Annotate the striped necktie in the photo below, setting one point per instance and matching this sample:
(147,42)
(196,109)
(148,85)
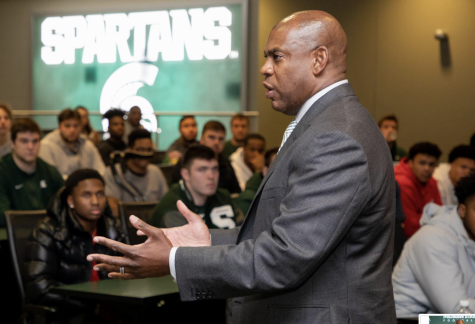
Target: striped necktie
(287,132)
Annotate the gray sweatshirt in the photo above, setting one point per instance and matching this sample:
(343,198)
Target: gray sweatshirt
(54,150)
(437,266)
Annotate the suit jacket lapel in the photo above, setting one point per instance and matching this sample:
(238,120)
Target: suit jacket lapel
(315,110)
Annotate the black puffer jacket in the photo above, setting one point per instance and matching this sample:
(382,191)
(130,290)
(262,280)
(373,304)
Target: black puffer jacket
(57,249)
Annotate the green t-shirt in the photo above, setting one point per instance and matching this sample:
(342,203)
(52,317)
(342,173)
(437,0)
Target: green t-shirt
(219,210)
(22,191)
(229,149)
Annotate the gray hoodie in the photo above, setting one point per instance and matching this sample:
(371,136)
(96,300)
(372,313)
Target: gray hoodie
(54,150)
(437,266)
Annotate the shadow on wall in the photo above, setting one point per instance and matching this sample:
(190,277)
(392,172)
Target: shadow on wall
(445,57)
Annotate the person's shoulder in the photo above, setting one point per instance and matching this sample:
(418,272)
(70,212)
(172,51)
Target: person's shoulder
(441,172)
(168,202)
(45,228)
(51,138)
(222,195)
(108,173)
(6,162)
(46,167)
(153,169)
(432,238)
(88,144)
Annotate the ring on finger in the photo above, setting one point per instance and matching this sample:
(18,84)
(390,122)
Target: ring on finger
(122,270)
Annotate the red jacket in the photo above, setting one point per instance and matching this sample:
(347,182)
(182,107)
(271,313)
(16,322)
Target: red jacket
(414,195)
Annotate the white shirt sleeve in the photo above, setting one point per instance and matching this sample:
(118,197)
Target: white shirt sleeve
(171,262)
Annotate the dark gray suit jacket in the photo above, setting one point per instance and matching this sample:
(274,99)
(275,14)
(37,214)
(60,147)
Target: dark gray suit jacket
(317,243)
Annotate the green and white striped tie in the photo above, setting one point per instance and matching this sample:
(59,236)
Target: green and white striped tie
(287,132)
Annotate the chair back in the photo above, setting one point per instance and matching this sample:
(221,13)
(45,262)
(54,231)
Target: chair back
(143,210)
(20,225)
(167,170)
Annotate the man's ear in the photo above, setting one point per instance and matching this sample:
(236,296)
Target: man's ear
(462,210)
(185,174)
(320,60)
(70,201)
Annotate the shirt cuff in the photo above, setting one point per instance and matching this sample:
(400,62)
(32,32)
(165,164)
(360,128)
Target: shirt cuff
(171,262)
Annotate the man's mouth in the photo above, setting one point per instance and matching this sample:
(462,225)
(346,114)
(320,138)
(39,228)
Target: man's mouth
(270,90)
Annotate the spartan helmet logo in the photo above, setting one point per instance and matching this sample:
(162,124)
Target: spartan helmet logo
(120,91)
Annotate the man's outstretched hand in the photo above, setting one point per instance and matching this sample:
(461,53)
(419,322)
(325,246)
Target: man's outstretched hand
(150,259)
(195,233)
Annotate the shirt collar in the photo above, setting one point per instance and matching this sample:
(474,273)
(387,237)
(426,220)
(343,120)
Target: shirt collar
(306,106)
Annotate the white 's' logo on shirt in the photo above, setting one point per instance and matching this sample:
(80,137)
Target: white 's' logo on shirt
(43,184)
(19,186)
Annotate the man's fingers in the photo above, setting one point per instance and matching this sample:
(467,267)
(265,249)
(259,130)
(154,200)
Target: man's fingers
(188,214)
(140,225)
(106,267)
(125,276)
(114,245)
(114,271)
(102,260)
(140,233)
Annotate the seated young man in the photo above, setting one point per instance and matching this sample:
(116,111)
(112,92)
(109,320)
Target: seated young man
(461,164)
(188,132)
(249,159)
(57,248)
(414,176)
(199,192)
(213,136)
(389,127)
(244,200)
(437,266)
(239,129)
(26,181)
(65,149)
(135,179)
(116,131)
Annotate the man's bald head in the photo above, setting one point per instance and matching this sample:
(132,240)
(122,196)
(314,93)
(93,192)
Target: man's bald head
(460,322)
(305,53)
(316,28)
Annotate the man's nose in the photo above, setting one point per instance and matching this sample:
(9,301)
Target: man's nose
(266,69)
(94,200)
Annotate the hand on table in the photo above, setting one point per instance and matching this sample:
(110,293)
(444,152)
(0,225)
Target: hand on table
(150,259)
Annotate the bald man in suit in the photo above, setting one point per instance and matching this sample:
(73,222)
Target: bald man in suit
(317,243)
